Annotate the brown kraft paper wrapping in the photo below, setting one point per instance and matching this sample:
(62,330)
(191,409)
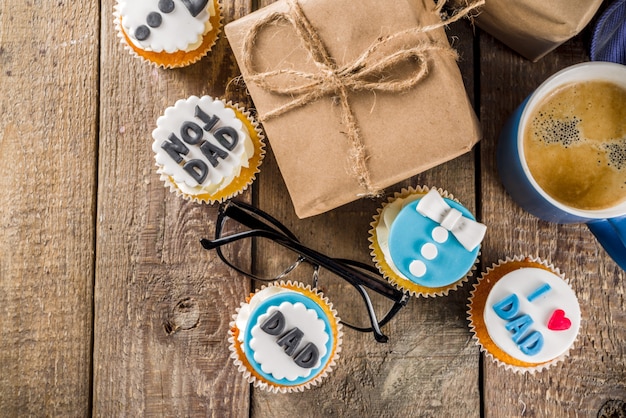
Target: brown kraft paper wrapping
(534,28)
(402,132)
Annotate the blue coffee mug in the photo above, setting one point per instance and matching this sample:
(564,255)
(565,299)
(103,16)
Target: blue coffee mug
(608,225)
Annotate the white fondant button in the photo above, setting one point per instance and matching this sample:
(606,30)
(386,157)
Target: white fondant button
(417,268)
(440,234)
(429,251)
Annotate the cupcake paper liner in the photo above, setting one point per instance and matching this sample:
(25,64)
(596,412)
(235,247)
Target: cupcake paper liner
(241,362)
(476,306)
(401,283)
(176,59)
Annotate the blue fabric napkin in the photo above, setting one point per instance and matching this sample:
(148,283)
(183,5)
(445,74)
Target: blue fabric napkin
(608,42)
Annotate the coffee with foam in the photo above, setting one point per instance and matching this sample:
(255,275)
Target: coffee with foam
(575,144)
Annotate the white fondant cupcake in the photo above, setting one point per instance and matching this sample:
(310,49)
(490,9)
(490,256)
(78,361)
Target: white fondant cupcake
(286,337)
(168,33)
(207,150)
(524,315)
(425,242)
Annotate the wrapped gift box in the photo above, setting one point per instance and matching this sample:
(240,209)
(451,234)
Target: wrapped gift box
(334,84)
(533,28)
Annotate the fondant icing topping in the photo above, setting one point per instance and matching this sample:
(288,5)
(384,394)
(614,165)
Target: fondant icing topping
(558,321)
(296,348)
(532,315)
(419,248)
(465,229)
(166,25)
(201,144)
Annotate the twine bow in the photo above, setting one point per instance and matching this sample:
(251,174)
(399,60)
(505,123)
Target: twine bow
(332,80)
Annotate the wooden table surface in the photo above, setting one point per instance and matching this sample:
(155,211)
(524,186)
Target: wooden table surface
(108,306)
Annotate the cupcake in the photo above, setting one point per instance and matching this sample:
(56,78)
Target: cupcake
(168,33)
(425,242)
(524,315)
(285,338)
(207,150)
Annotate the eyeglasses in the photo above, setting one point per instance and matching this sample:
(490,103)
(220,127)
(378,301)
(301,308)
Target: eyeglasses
(269,236)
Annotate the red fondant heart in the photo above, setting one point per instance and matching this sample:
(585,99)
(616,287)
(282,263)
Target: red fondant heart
(558,321)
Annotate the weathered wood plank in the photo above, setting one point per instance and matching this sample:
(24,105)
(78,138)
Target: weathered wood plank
(162,304)
(429,367)
(48,137)
(596,369)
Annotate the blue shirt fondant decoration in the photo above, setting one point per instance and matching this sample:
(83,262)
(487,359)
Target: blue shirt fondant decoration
(425,252)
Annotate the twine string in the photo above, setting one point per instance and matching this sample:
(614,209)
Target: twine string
(359,75)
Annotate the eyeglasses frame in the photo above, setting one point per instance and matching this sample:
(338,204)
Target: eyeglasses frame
(280,234)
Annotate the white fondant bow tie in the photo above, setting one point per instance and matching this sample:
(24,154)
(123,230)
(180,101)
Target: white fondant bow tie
(467,231)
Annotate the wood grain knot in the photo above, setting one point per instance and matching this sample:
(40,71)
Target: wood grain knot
(185,315)
(614,408)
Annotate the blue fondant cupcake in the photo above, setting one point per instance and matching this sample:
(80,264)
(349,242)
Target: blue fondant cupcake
(425,242)
(286,337)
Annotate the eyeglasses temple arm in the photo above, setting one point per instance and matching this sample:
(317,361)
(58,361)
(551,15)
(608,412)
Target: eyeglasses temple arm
(378,334)
(358,280)
(353,276)
(237,211)
(395,309)
(209,244)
